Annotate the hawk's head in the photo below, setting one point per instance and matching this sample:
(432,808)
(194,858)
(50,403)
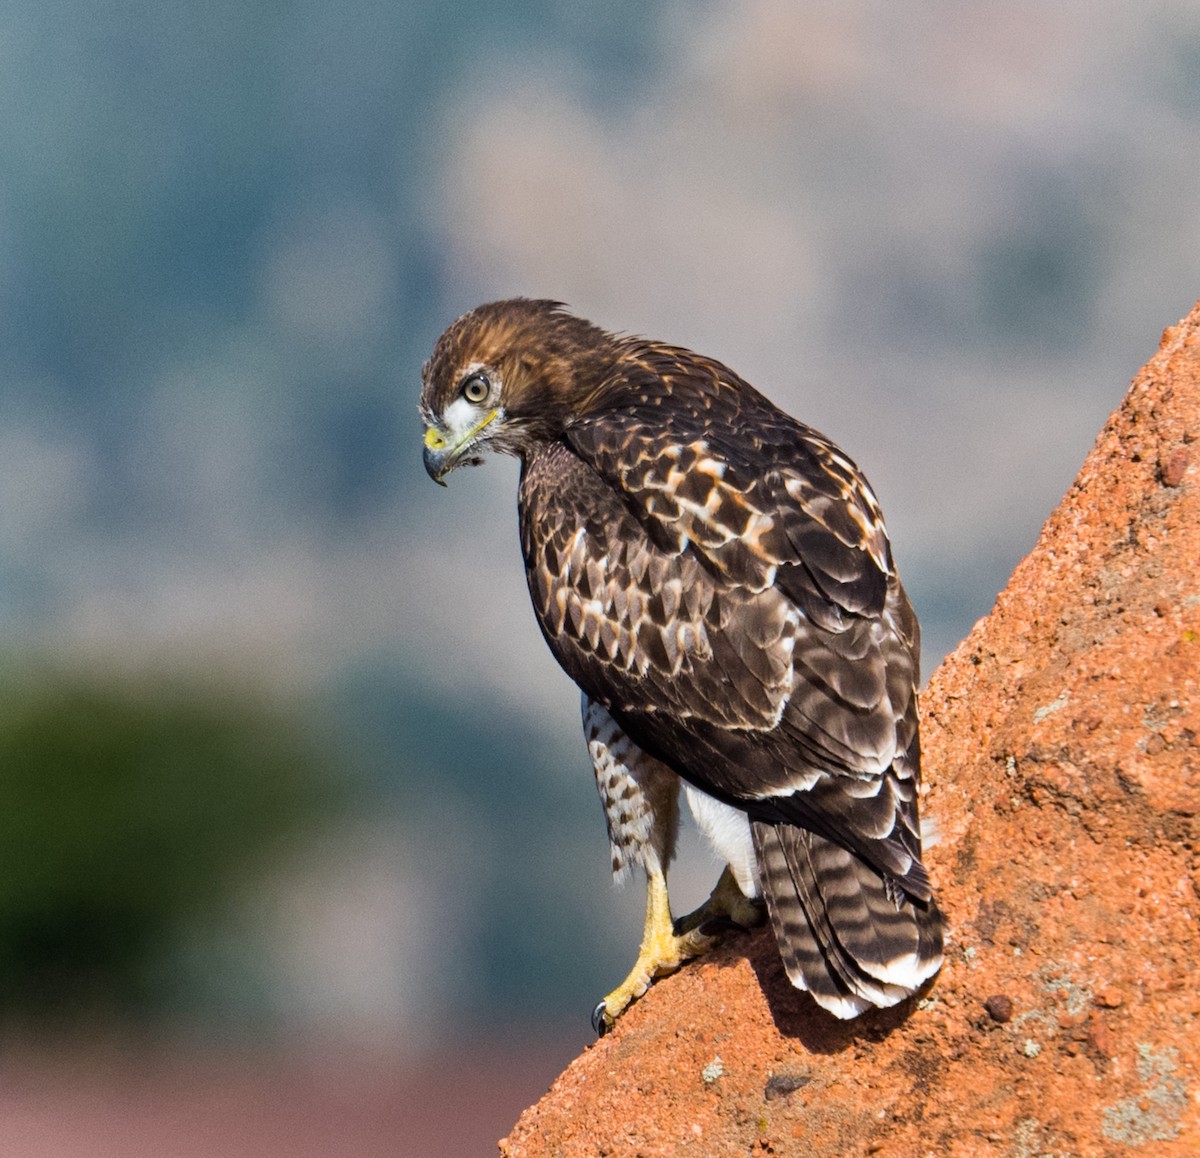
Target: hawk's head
(506,377)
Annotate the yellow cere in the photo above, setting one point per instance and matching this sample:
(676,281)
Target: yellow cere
(434,439)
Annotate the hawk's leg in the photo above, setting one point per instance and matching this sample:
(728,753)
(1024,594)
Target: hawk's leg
(641,805)
(662,951)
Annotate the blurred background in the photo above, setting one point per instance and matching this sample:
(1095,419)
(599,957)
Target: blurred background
(299,849)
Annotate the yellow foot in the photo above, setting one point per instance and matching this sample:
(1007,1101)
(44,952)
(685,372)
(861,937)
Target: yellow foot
(658,956)
(667,944)
(727,906)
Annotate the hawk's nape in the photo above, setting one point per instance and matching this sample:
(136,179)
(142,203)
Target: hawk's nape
(718,580)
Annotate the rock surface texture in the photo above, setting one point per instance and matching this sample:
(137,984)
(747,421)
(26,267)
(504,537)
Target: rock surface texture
(1062,756)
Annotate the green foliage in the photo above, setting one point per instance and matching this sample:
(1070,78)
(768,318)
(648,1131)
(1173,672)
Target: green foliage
(126,810)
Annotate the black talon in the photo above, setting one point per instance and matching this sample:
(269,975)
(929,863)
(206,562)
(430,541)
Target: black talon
(599,1022)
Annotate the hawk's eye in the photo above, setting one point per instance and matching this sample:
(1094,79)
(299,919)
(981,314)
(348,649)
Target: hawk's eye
(476,388)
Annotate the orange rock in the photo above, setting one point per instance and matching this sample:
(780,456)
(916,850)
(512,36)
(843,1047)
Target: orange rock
(1062,754)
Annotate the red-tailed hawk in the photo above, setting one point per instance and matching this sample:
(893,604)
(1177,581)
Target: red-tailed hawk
(717,579)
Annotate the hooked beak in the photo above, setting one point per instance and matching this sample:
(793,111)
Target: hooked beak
(441,455)
(438,455)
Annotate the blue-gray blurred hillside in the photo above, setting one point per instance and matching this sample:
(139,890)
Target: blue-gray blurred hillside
(229,235)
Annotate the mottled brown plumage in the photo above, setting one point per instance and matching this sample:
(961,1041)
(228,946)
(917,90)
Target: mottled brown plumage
(717,579)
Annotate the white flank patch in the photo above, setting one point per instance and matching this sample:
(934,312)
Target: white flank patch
(728,829)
